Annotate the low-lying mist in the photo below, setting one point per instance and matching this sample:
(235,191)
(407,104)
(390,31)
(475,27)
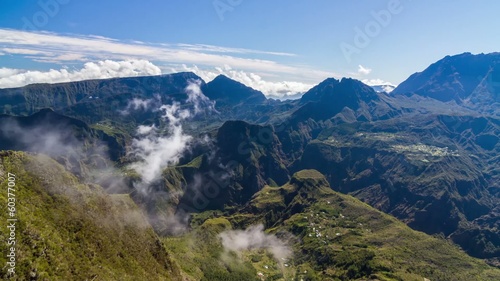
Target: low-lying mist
(254,237)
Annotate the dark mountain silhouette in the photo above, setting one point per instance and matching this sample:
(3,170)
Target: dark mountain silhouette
(228,92)
(349,97)
(471,80)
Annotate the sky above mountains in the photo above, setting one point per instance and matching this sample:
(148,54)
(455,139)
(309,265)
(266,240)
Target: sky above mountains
(279,47)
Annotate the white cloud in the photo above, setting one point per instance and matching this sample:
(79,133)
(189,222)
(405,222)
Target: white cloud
(106,48)
(380,85)
(58,59)
(218,49)
(156,150)
(363,70)
(376,82)
(91,70)
(272,89)
(21,51)
(8,72)
(388,88)
(57,48)
(200,102)
(144,130)
(254,237)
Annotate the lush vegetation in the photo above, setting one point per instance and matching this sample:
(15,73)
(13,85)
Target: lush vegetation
(333,237)
(71,231)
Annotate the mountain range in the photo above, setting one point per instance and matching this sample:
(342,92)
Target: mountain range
(357,183)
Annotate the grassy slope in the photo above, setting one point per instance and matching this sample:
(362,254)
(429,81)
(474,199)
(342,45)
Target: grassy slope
(70,231)
(201,256)
(355,241)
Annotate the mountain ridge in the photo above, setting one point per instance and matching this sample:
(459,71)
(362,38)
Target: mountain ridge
(431,163)
(456,78)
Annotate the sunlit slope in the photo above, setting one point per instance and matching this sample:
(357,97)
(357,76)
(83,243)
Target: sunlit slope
(333,237)
(71,231)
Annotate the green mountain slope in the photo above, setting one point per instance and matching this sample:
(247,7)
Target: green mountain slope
(440,178)
(70,231)
(333,237)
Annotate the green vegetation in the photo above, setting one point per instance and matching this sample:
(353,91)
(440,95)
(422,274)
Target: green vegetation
(195,163)
(71,231)
(201,256)
(333,237)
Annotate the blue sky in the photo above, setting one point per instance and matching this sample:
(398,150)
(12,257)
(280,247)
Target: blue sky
(276,46)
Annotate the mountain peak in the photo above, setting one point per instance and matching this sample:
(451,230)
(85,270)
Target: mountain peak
(315,93)
(311,181)
(312,176)
(453,78)
(351,91)
(333,87)
(222,77)
(332,96)
(227,91)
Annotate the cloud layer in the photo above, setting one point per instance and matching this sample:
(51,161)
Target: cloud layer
(92,70)
(57,48)
(269,76)
(10,78)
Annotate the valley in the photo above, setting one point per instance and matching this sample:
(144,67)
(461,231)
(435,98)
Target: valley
(172,178)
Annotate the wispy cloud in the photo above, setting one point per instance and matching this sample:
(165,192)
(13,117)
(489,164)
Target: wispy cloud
(218,49)
(97,54)
(363,70)
(154,149)
(21,51)
(363,74)
(49,47)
